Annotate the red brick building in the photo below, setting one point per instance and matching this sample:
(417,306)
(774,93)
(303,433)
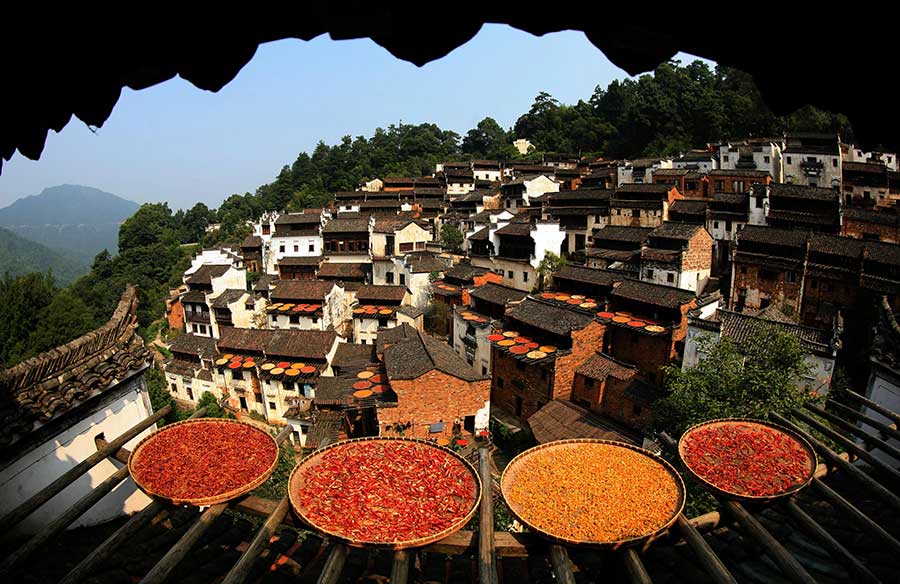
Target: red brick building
(435,387)
(881,224)
(613,389)
(522,387)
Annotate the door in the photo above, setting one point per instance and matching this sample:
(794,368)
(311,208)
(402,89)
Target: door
(244,404)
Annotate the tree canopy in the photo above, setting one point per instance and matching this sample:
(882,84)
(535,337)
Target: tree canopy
(750,379)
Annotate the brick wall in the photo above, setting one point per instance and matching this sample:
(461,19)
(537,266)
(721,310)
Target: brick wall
(823,296)
(176,316)
(699,253)
(585,343)
(433,397)
(511,379)
(779,291)
(648,352)
(588,393)
(621,408)
(856,228)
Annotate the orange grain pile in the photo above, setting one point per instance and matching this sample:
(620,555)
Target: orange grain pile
(591,492)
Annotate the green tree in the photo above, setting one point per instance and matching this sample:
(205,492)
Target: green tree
(488,140)
(24,300)
(549,265)
(451,238)
(750,379)
(213,409)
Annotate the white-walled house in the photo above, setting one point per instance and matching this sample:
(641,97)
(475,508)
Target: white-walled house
(204,283)
(487,170)
(700,160)
(377,307)
(296,235)
(515,249)
(518,193)
(640,171)
(822,345)
(413,271)
(393,237)
(309,305)
(813,160)
(754,154)
(235,308)
(57,404)
(853,153)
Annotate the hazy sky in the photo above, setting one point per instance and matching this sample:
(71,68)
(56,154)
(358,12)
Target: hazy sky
(176,143)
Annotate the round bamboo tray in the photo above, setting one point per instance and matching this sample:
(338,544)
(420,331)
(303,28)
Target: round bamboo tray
(511,472)
(810,453)
(202,501)
(298,482)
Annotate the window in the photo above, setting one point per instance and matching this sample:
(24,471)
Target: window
(757,202)
(588,382)
(789,160)
(389,277)
(312,247)
(728,225)
(791,276)
(190,393)
(258,397)
(315,320)
(272,406)
(834,162)
(715,224)
(174,388)
(509,274)
(720,185)
(649,274)
(725,158)
(237,374)
(281,248)
(670,278)
(738,186)
(265,229)
(296,248)
(403,279)
(524,276)
(484,369)
(766,159)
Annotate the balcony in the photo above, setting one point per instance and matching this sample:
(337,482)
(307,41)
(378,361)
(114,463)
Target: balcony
(198,317)
(812,167)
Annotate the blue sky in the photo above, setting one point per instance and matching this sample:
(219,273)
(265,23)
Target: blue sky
(176,143)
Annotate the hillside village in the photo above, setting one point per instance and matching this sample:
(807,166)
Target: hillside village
(577,282)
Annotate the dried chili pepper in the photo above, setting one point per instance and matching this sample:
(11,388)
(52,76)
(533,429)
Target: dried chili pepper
(386,491)
(746,458)
(203,459)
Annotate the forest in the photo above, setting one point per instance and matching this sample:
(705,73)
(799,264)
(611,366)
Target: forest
(677,108)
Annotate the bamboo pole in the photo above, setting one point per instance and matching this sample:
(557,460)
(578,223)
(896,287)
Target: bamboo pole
(707,557)
(37,500)
(487,559)
(869,439)
(861,519)
(850,445)
(885,430)
(400,567)
(835,459)
(559,557)
(634,567)
(891,415)
(241,570)
(830,544)
(787,563)
(334,565)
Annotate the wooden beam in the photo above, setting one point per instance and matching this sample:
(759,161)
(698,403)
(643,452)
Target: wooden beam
(241,570)
(400,567)
(874,486)
(164,567)
(634,567)
(562,569)
(828,542)
(885,430)
(707,557)
(862,520)
(37,500)
(891,415)
(487,555)
(850,445)
(101,553)
(787,563)
(60,523)
(334,565)
(870,439)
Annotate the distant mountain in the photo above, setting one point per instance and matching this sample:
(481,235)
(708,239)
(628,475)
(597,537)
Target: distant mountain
(21,256)
(77,219)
